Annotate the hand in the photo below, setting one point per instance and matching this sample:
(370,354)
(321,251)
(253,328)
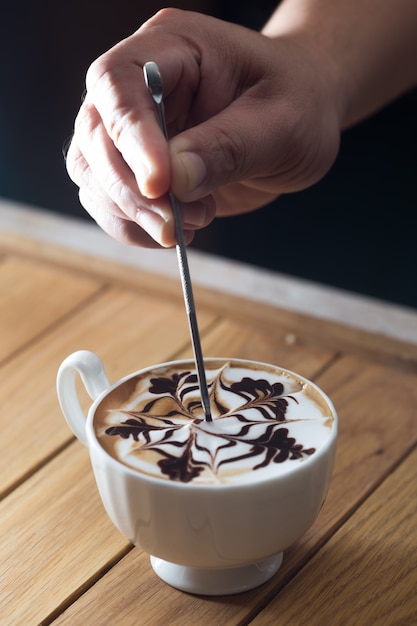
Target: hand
(249,118)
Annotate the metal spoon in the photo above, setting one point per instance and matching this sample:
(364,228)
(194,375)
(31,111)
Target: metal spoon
(153,81)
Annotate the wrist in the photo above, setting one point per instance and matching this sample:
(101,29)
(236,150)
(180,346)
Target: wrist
(365,51)
(292,32)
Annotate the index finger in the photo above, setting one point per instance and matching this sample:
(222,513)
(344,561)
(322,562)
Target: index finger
(116,87)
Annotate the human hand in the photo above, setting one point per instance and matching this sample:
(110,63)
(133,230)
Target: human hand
(249,118)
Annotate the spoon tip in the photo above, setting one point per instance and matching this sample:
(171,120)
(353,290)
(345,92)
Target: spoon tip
(153,79)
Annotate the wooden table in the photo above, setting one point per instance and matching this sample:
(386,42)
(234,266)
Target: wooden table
(62,561)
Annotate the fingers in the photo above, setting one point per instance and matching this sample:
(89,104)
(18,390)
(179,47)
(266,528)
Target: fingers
(115,178)
(107,185)
(119,157)
(248,116)
(127,116)
(282,153)
(116,85)
(150,223)
(117,227)
(278,131)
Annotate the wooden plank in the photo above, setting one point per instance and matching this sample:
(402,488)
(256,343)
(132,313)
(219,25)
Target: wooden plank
(275,345)
(127,330)
(35,295)
(373,565)
(64,489)
(325,333)
(35,499)
(377,424)
(47,550)
(375,401)
(377,415)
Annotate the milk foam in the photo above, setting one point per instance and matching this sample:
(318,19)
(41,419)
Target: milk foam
(265,422)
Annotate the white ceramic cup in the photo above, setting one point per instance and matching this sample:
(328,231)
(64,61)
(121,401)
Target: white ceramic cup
(207,539)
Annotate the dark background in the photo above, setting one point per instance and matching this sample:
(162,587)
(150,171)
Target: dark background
(356,229)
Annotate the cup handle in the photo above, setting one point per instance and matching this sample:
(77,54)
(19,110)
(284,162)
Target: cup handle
(91,370)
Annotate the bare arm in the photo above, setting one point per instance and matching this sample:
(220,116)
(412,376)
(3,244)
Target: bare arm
(251,115)
(368,47)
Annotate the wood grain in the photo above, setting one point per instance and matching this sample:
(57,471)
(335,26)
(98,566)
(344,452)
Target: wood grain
(34,296)
(373,565)
(324,333)
(128,331)
(230,338)
(377,423)
(62,561)
(366,404)
(55,538)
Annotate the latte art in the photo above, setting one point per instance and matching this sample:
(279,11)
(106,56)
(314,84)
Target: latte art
(264,422)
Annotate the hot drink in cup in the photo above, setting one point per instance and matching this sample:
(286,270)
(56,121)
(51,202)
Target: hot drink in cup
(213,502)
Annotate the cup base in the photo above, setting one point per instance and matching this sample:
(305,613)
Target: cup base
(216,582)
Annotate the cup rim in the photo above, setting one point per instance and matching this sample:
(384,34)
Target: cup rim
(94,443)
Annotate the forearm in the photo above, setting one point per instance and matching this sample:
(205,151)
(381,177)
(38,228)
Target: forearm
(366,48)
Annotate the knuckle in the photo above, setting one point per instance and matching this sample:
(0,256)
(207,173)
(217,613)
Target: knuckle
(99,69)
(115,188)
(231,152)
(77,168)
(163,16)
(104,77)
(123,230)
(119,124)
(86,120)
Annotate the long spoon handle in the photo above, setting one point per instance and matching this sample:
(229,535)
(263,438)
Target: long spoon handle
(153,81)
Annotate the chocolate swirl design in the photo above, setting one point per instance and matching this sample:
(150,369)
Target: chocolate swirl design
(250,428)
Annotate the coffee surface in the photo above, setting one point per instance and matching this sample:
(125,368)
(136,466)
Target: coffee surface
(265,420)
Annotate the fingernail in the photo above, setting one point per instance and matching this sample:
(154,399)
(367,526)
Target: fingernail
(151,222)
(143,173)
(195,216)
(156,226)
(194,169)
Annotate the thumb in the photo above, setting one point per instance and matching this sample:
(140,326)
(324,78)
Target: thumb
(269,141)
(213,154)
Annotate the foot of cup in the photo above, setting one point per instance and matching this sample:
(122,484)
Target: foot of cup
(216,582)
